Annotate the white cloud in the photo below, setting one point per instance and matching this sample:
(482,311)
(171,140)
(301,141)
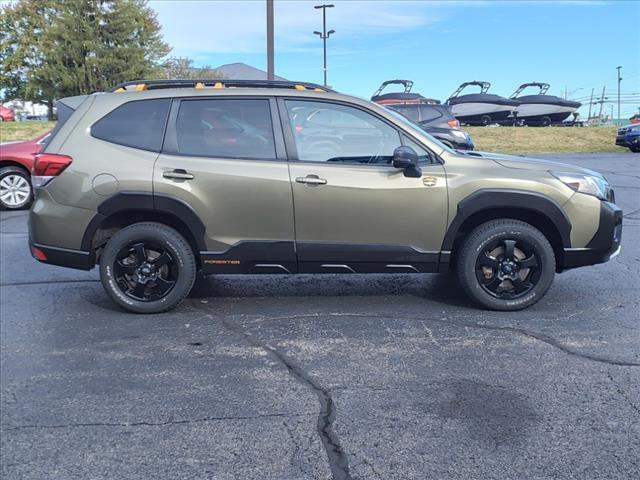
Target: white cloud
(197,27)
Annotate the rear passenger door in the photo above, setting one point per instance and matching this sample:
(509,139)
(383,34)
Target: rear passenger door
(224,157)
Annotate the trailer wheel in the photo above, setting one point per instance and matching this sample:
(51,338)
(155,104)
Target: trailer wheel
(485,120)
(545,121)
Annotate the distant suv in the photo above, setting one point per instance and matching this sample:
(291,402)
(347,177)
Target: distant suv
(438,121)
(629,136)
(158,181)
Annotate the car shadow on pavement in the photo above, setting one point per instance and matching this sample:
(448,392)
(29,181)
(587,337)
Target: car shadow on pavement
(439,288)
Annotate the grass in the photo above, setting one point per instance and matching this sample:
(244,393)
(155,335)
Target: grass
(545,140)
(10,131)
(488,139)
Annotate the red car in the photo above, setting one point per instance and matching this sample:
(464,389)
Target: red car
(6,114)
(16,160)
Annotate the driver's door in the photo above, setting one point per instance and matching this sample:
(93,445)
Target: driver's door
(355,212)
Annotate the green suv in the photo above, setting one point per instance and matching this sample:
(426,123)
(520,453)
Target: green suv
(159,181)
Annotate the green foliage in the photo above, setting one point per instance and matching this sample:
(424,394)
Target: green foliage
(52,49)
(182,68)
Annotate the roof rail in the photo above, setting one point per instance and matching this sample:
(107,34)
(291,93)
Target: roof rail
(216,83)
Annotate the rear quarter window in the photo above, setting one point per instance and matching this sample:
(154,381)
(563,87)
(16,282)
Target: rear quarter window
(138,124)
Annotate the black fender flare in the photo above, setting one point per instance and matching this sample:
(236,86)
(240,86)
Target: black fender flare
(141,201)
(486,199)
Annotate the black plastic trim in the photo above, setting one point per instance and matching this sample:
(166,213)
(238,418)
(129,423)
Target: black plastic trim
(64,257)
(604,243)
(486,199)
(362,252)
(137,201)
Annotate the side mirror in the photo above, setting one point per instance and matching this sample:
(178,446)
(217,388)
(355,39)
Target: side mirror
(406,158)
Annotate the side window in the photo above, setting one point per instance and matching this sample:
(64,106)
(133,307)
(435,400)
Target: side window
(327,132)
(429,114)
(225,128)
(424,155)
(409,111)
(138,124)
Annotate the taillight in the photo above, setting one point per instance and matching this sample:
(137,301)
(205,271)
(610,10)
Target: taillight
(454,123)
(47,166)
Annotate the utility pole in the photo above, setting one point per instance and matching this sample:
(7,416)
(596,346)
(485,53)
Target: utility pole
(590,103)
(324,35)
(601,105)
(270,69)
(619,80)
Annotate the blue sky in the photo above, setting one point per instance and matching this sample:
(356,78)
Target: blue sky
(570,44)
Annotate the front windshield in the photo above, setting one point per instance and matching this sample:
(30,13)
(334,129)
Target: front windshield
(408,122)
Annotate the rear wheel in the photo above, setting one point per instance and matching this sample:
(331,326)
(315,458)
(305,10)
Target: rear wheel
(506,265)
(147,268)
(15,188)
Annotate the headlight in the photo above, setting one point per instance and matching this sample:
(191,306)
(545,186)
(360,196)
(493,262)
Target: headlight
(584,183)
(459,134)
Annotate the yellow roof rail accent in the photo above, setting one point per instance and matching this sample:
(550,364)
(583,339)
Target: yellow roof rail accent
(141,86)
(300,87)
(318,90)
(219,85)
(120,90)
(199,85)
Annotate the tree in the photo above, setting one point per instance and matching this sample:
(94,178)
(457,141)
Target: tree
(182,67)
(51,49)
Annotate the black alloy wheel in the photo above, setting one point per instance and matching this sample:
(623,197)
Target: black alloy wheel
(145,271)
(505,264)
(147,267)
(508,268)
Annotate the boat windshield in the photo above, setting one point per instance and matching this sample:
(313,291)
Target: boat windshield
(406,121)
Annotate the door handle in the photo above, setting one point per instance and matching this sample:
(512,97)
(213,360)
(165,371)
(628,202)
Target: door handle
(178,174)
(312,180)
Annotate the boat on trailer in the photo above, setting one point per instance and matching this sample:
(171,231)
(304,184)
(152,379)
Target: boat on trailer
(542,109)
(481,108)
(405,96)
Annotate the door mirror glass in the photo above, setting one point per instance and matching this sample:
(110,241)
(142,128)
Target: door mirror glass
(406,158)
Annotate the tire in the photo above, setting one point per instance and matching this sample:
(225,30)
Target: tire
(545,121)
(499,280)
(485,120)
(16,191)
(154,253)
(635,148)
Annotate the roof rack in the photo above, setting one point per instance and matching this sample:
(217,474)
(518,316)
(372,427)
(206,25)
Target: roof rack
(137,85)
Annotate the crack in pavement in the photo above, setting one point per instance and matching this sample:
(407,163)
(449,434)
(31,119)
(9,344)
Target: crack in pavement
(157,424)
(623,393)
(451,321)
(338,462)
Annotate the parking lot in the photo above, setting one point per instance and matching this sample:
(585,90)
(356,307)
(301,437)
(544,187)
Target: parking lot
(328,376)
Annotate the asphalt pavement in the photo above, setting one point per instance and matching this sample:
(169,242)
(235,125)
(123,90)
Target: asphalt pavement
(326,376)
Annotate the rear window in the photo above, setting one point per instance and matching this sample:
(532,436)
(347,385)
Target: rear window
(409,111)
(138,124)
(225,128)
(428,113)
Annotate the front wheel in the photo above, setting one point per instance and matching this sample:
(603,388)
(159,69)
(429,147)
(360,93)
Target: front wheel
(506,265)
(147,268)
(635,148)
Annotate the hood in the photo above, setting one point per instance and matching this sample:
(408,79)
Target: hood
(528,163)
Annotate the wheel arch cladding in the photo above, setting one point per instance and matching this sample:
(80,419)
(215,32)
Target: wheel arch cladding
(126,208)
(533,208)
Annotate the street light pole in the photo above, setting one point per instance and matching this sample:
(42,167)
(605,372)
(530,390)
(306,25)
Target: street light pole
(619,80)
(324,35)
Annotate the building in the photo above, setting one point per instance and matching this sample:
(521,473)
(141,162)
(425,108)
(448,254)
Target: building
(242,71)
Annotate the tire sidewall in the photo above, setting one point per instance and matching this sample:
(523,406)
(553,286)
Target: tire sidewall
(477,244)
(168,238)
(6,171)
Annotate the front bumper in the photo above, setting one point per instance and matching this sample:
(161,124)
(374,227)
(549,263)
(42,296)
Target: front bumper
(604,245)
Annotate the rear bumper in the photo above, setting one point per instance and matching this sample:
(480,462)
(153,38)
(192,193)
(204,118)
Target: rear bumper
(62,257)
(604,245)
